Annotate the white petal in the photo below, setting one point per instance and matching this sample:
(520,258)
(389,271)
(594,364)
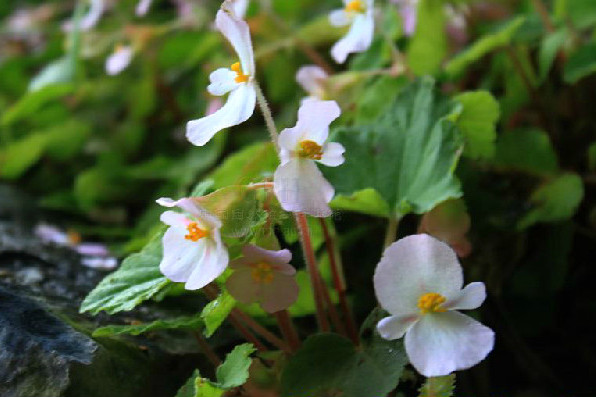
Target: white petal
(333,154)
(314,118)
(441,343)
(240,7)
(143,7)
(211,265)
(222,81)
(172,218)
(300,187)
(238,34)
(339,18)
(413,266)
(280,294)
(358,39)
(180,256)
(119,60)
(238,108)
(93,15)
(288,142)
(242,286)
(311,78)
(394,327)
(191,206)
(471,297)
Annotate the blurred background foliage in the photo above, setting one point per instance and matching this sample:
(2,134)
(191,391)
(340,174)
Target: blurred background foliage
(97,149)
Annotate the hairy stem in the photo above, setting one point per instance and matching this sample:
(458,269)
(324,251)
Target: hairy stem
(206,349)
(339,280)
(269,122)
(286,326)
(391,232)
(260,330)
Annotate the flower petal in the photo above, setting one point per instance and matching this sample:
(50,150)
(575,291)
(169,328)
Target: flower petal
(394,327)
(119,60)
(211,265)
(190,205)
(413,266)
(300,187)
(240,7)
(242,286)
(238,34)
(314,118)
(333,154)
(471,297)
(339,18)
(288,142)
(358,38)
(180,256)
(239,107)
(311,78)
(223,80)
(441,343)
(280,294)
(143,7)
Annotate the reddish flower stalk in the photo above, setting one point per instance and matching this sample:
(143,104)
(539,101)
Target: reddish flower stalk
(286,326)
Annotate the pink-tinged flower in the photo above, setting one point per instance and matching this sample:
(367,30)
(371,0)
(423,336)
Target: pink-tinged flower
(237,80)
(90,19)
(419,282)
(239,7)
(143,7)
(408,10)
(119,60)
(449,222)
(263,276)
(359,14)
(312,79)
(193,252)
(297,182)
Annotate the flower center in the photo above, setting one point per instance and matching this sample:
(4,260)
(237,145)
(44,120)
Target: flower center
(431,303)
(195,233)
(262,273)
(310,150)
(355,6)
(240,76)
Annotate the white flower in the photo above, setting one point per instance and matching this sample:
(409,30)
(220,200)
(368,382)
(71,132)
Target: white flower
(358,14)
(312,78)
(297,182)
(119,60)
(143,7)
(193,252)
(239,7)
(419,282)
(238,81)
(89,20)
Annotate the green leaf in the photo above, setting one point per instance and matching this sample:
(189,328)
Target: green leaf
(429,44)
(366,201)
(529,151)
(581,12)
(458,64)
(408,156)
(67,139)
(137,280)
(580,64)
(550,46)
(32,102)
(216,311)
(17,157)
(59,71)
(377,97)
(187,322)
(555,201)
(251,164)
(329,364)
(196,386)
(477,122)
(234,370)
(438,386)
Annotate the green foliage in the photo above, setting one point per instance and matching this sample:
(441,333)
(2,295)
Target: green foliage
(550,46)
(232,373)
(554,201)
(373,370)
(530,151)
(438,386)
(216,311)
(429,44)
(32,102)
(408,155)
(366,201)
(581,63)
(485,45)
(477,122)
(187,322)
(18,156)
(137,280)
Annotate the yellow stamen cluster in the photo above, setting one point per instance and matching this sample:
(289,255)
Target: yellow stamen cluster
(195,233)
(262,273)
(431,303)
(355,6)
(310,150)
(240,76)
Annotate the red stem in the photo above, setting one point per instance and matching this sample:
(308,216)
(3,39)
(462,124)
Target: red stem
(286,326)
